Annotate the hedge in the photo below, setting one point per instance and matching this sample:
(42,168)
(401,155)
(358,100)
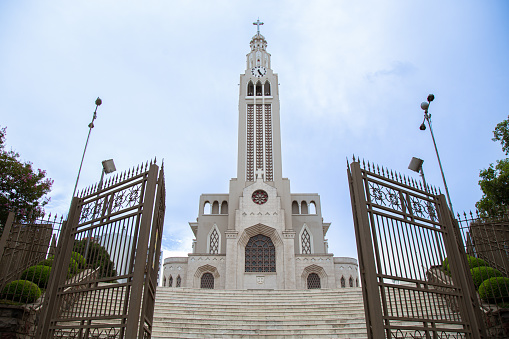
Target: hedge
(38,274)
(495,290)
(23,291)
(481,273)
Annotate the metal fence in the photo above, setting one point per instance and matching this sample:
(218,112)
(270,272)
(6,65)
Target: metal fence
(114,233)
(22,282)
(488,239)
(404,232)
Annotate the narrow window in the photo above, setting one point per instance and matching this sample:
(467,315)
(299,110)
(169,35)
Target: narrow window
(206,207)
(179,281)
(250,89)
(215,207)
(305,238)
(170,281)
(224,208)
(304,207)
(259,89)
(356,282)
(266,88)
(343,282)
(312,207)
(295,207)
(214,242)
(313,281)
(351,282)
(207,281)
(164,281)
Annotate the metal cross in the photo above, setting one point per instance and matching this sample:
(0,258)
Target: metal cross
(258,23)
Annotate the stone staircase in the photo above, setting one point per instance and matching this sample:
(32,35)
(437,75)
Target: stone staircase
(199,313)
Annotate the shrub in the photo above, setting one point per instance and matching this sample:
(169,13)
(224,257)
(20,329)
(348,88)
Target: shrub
(73,265)
(38,274)
(73,268)
(472,262)
(495,290)
(47,262)
(97,257)
(481,273)
(79,259)
(22,291)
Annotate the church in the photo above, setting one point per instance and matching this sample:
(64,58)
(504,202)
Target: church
(260,235)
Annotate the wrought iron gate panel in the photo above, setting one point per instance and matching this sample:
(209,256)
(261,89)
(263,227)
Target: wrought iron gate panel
(117,228)
(403,232)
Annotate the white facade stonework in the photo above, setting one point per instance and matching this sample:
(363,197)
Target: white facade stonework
(260,235)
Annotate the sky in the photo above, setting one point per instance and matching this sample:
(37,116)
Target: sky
(352,76)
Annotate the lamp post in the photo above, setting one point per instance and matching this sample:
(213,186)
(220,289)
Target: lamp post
(416,166)
(98,103)
(427,117)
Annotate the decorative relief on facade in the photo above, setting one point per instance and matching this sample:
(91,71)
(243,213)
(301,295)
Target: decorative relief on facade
(268,144)
(250,144)
(259,137)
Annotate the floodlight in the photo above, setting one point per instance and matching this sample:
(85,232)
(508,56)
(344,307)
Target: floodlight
(109,166)
(415,164)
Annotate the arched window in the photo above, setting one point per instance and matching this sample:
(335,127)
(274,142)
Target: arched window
(164,281)
(224,208)
(250,89)
(313,281)
(343,282)
(304,207)
(170,281)
(312,207)
(259,89)
(206,207)
(266,88)
(214,240)
(351,282)
(179,282)
(305,239)
(260,254)
(215,207)
(207,281)
(295,207)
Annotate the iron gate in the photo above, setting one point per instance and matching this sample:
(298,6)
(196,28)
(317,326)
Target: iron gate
(117,229)
(404,232)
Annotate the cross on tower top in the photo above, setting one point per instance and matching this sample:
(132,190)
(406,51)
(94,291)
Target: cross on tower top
(258,23)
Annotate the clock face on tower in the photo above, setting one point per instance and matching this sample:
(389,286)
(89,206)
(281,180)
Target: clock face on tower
(258,71)
(259,197)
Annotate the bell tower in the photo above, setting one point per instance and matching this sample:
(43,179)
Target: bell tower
(259,148)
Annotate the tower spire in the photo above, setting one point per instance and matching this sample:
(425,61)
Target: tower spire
(258,23)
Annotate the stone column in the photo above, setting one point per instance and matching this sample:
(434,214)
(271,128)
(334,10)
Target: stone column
(231,260)
(289,258)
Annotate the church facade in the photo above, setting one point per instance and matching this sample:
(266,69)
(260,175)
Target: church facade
(260,235)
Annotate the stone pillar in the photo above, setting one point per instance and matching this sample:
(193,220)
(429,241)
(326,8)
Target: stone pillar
(289,258)
(231,260)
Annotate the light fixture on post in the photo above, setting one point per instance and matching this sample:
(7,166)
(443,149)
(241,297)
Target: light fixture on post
(427,117)
(416,166)
(98,103)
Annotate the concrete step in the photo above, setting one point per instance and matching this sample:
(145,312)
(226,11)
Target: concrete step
(196,313)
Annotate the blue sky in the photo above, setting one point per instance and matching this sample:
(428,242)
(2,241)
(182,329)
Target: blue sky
(352,77)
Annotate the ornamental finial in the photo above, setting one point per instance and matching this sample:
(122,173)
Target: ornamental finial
(258,23)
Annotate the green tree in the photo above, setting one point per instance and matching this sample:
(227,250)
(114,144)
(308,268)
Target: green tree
(22,188)
(494,181)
